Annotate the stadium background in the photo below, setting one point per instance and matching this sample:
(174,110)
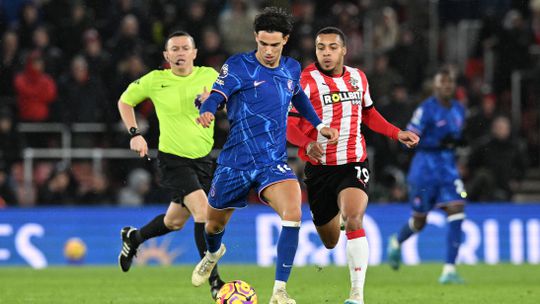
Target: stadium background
(66,171)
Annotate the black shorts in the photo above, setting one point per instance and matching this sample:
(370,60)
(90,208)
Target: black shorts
(324,184)
(180,176)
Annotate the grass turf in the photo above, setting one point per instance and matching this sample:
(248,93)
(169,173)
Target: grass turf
(488,284)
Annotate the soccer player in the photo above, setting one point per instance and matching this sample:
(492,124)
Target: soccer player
(258,88)
(337,176)
(433,176)
(184,146)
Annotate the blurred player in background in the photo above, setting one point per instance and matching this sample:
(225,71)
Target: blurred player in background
(184,162)
(337,176)
(433,177)
(258,88)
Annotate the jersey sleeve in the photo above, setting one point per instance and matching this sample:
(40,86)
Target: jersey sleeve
(418,121)
(228,81)
(137,91)
(366,96)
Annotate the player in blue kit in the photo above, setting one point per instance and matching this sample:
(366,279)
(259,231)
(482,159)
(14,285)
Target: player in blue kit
(257,88)
(433,176)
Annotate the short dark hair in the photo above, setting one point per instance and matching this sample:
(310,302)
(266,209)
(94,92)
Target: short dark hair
(446,71)
(179,34)
(333,30)
(274,19)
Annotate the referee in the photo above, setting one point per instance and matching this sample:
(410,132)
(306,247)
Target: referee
(184,146)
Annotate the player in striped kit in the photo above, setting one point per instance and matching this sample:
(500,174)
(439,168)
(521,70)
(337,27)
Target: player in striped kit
(337,176)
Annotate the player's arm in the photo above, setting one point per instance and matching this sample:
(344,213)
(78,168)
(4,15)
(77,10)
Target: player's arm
(374,120)
(209,107)
(296,137)
(303,105)
(225,85)
(133,95)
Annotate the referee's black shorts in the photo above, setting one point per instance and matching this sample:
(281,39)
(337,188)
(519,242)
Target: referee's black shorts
(180,176)
(324,184)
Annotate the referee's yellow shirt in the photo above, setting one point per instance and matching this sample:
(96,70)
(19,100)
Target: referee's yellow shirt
(174,100)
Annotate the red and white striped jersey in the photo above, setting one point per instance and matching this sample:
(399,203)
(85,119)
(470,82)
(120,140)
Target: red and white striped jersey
(339,102)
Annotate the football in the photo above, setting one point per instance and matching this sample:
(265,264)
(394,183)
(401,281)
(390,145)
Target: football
(74,250)
(236,292)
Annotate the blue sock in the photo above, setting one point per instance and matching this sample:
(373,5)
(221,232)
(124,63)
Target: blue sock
(453,240)
(406,232)
(286,250)
(213,241)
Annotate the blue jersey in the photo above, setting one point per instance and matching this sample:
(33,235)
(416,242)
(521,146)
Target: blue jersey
(434,163)
(258,99)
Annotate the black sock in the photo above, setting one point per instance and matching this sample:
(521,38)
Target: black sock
(155,227)
(201,246)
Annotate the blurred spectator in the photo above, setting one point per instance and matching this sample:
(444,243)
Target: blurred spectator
(99,60)
(9,62)
(7,193)
(211,53)
(27,24)
(195,21)
(386,33)
(127,40)
(512,49)
(382,79)
(496,165)
(73,28)
(98,192)
(51,55)
(10,140)
(535,22)
(138,186)
(35,90)
(409,59)
(82,96)
(480,119)
(236,26)
(60,188)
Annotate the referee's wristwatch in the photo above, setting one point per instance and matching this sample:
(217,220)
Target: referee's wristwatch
(134,132)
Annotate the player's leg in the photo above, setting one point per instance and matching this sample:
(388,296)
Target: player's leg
(197,203)
(284,196)
(422,198)
(162,224)
(216,220)
(228,191)
(322,183)
(454,207)
(353,203)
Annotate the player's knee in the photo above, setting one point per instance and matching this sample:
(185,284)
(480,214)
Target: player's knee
(353,222)
(292,214)
(330,243)
(214,227)
(174,223)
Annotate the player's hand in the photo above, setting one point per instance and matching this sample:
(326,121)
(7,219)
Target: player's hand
(315,151)
(330,133)
(205,119)
(201,98)
(139,145)
(408,138)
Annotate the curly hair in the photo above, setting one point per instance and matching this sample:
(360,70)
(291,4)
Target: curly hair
(274,19)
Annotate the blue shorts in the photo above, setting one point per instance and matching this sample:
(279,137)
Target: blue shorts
(425,197)
(230,186)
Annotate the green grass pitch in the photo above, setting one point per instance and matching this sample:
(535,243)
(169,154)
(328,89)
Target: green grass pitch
(488,284)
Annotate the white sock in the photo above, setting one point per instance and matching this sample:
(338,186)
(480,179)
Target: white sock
(279,285)
(448,268)
(357,258)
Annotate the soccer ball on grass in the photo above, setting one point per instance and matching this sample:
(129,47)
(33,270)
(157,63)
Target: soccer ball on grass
(236,292)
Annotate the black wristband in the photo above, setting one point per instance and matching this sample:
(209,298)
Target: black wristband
(134,132)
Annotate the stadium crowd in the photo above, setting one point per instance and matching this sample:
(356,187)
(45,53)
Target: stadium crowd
(68,61)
